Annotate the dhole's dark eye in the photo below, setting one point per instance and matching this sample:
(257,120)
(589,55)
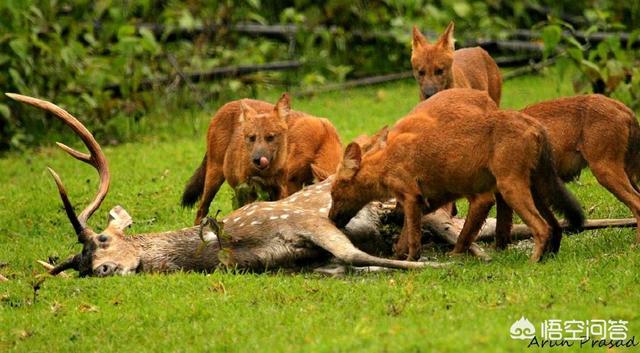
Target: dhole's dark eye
(252,138)
(438,72)
(270,138)
(421,72)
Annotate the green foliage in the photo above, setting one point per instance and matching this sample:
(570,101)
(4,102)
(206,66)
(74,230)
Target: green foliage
(103,59)
(248,192)
(608,67)
(92,57)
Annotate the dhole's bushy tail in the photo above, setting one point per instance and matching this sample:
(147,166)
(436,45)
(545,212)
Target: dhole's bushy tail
(195,186)
(546,181)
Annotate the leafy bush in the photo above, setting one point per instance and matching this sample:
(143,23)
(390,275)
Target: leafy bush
(106,58)
(609,67)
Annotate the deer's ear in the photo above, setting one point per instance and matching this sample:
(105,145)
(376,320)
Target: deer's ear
(351,160)
(446,39)
(283,106)
(418,40)
(119,218)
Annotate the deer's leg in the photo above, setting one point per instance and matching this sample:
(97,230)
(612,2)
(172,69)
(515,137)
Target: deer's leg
(214,178)
(612,176)
(332,240)
(517,194)
(504,223)
(479,207)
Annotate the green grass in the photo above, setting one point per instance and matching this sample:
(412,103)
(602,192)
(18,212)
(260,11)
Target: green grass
(467,308)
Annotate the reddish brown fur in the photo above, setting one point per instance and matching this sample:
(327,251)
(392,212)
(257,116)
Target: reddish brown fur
(313,150)
(599,132)
(438,66)
(494,151)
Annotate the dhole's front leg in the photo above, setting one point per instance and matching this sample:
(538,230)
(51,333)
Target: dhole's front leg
(214,177)
(410,242)
(280,191)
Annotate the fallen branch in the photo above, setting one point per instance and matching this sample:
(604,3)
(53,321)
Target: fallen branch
(375,228)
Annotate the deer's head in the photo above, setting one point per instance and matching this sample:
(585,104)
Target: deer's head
(103,253)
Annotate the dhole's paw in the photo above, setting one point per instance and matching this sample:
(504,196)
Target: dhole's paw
(401,249)
(414,253)
(501,245)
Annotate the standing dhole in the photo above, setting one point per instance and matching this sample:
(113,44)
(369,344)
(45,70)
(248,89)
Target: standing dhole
(503,152)
(595,131)
(439,66)
(257,143)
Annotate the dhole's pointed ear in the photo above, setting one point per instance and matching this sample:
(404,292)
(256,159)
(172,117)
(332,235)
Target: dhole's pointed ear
(446,39)
(351,160)
(283,106)
(380,137)
(245,109)
(119,218)
(418,39)
(319,174)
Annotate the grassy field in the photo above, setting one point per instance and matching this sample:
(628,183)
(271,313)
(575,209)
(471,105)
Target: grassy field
(466,308)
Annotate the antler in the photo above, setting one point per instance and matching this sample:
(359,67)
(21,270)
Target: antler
(96,158)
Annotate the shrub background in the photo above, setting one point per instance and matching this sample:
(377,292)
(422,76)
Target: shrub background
(92,56)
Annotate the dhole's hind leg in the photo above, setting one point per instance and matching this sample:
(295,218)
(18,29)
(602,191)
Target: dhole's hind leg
(479,207)
(612,176)
(518,195)
(214,178)
(556,229)
(504,223)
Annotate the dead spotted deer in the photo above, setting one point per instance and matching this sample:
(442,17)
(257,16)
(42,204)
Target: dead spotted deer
(259,236)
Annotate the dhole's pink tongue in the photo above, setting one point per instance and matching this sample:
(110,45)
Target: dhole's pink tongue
(264,162)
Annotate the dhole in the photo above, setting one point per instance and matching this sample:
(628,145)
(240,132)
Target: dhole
(439,66)
(254,142)
(432,157)
(596,131)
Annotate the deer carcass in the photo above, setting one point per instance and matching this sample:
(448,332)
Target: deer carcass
(259,236)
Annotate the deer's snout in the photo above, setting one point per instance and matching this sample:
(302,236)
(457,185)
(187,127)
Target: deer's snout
(105,269)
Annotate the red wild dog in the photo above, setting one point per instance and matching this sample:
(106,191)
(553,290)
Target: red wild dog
(254,142)
(496,151)
(595,131)
(439,66)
